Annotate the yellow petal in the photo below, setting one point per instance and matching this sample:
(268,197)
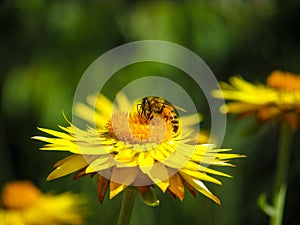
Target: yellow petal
(55,142)
(62,161)
(241,83)
(191,119)
(69,165)
(239,107)
(123,102)
(102,104)
(146,162)
(125,155)
(190,165)
(199,186)
(229,156)
(208,170)
(133,163)
(157,155)
(88,114)
(160,176)
(115,188)
(200,176)
(57,134)
(100,163)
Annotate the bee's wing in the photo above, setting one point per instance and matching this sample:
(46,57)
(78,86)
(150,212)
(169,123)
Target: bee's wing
(176,107)
(179,108)
(169,104)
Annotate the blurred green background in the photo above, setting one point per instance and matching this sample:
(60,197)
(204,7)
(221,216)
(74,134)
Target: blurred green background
(45,47)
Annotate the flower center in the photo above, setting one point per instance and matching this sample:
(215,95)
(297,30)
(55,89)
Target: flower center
(134,129)
(19,194)
(284,81)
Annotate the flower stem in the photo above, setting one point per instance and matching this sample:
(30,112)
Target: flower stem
(127,205)
(283,156)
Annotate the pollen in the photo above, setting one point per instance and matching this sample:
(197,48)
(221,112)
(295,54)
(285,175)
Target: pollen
(135,129)
(19,194)
(284,81)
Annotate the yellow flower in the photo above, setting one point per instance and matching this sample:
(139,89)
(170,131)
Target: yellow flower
(278,100)
(132,149)
(24,204)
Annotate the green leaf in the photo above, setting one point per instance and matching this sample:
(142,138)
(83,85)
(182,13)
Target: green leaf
(268,209)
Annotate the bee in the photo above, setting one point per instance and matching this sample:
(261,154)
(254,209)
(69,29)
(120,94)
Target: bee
(156,106)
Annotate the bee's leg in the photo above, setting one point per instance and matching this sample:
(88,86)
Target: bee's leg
(138,108)
(161,109)
(175,128)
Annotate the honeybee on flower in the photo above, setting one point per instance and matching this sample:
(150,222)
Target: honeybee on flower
(142,148)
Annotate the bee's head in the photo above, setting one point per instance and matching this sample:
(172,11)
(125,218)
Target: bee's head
(145,101)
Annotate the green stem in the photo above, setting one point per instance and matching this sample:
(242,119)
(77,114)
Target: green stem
(283,156)
(127,205)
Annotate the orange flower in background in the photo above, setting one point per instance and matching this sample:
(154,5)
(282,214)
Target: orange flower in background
(140,148)
(278,100)
(22,203)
